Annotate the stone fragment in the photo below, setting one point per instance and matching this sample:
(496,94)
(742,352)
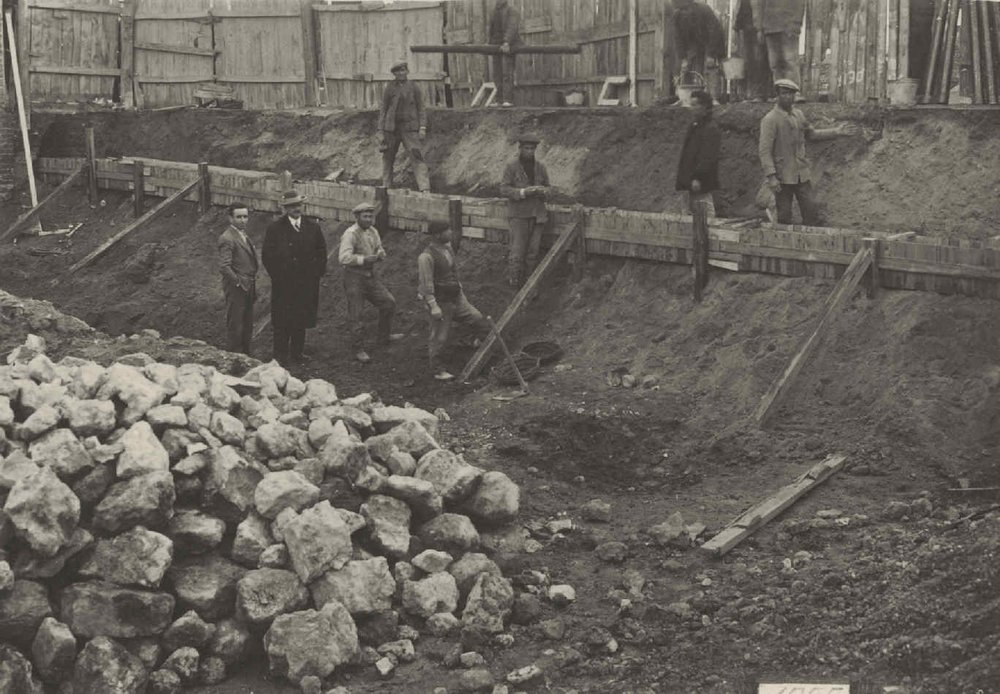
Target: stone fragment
(471,659)
(229,429)
(44,511)
(280,490)
(527,609)
(311,642)
(345,460)
(312,469)
(6,577)
(274,557)
(188,630)
(561,594)
(220,396)
(199,417)
(524,674)
(164,682)
(597,511)
(467,569)
(670,532)
(15,467)
(475,680)
(30,564)
(53,650)
(40,421)
(431,561)
(353,521)
(91,417)
(195,532)
(163,375)
(22,609)
(364,587)
(317,540)
(401,650)
(263,594)
(449,532)
(183,661)
(211,671)
(452,477)
(442,624)
(6,412)
(318,393)
(103,609)
(319,431)
(428,596)
(277,440)
(495,501)
(385,666)
(138,393)
(33,397)
(409,437)
(387,417)
(354,417)
(61,451)
(164,416)
(612,552)
(421,495)
(230,641)
(233,478)
(142,452)
(389,524)
(142,500)
(252,538)
(206,584)
(489,603)
(400,463)
(137,557)
(192,464)
(371,480)
(87,378)
(105,666)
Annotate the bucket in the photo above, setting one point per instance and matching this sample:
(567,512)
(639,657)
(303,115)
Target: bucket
(686,89)
(734,68)
(903,92)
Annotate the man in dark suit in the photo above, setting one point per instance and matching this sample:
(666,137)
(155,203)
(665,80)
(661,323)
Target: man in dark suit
(238,266)
(525,183)
(504,32)
(698,168)
(402,120)
(294,256)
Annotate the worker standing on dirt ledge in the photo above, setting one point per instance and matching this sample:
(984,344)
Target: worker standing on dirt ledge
(441,290)
(698,168)
(238,265)
(783,134)
(402,120)
(505,31)
(294,256)
(525,183)
(360,250)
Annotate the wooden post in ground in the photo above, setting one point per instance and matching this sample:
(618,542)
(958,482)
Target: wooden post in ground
(309,51)
(126,82)
(874,277)
(204,188)
(91,164)
(381,208)
(580,248)
(138,189)
(699,261)
(455,222)
(633,53)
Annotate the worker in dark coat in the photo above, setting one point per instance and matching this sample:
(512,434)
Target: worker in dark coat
(701,42)
(756,69)
(698,168)
(402,120)
(504,31)
(525,184)
(294,255)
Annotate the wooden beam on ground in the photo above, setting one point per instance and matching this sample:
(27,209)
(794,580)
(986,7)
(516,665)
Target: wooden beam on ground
(562,244)
(772,400)
(154,213)
(754,518)
(32,214)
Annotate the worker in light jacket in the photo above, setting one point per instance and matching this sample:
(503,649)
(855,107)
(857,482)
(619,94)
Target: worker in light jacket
(698,168)
(238,267)
(525,184)
(504,31)
(294,255)
(402,120)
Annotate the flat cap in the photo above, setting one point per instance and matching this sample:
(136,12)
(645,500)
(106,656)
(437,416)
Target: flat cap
(528,138)
(400,65)
(786,84)
(437,227)
(363,207)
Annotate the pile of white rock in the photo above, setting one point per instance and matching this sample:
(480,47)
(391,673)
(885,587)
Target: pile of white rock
(161,523)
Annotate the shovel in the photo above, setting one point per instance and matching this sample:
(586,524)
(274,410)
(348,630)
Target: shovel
(513,365)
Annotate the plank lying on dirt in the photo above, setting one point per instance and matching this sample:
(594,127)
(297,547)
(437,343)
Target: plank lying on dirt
(754,518)
(776,394)
(157,211)
(22,221)
(565,241)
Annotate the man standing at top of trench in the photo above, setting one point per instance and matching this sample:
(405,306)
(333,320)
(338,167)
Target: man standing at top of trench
(238,266)
(783,134)
(294,255)
(504,32)
(402,120)
(525,182)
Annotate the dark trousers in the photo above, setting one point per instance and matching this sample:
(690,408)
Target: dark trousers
(239,319)
(458,311)
(503,77)
(288,343)
(802,192)
(362,287)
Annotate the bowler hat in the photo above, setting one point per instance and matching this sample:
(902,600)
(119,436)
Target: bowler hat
(435,228)
(291,197)
(786,84)
(363,207)
(401,65)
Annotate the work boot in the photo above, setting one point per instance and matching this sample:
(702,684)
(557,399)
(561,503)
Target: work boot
(362,356)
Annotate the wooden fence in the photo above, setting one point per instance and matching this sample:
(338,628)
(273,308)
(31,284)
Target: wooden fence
(964,267)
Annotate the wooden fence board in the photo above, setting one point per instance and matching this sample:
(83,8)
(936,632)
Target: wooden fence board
(170,77)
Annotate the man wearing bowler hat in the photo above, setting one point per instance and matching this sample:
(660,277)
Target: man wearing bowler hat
(294,255)
(441,290)
(525,183)
(402,120)
(360,251)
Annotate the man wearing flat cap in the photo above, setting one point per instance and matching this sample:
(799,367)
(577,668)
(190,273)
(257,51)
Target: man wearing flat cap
(360,251)
(294,255)
(402,120)
(441,290)
(525,184)
(782,150)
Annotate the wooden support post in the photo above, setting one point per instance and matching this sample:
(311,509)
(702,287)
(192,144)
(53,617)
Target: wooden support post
(157,211)
(633,53)
(286,180)
(381,208)
(204,188)
(478,360)
(455,222)
(126,82)
(903,41)
(138,188)
(91,164)
(951,36)
(32,214)
(776,394)
(758,515)
(23,111)
(580,248)
(990,95)
(874,275)
(309,51)
(20,47)
(937,43)
(699,260)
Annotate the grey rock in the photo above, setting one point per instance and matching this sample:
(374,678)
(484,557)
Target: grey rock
(596,510)
(453,478)
(22,610)
(164,682)
(230,641)
(164,416)
(442,624)
(143,500)
(91,417)
(189,630)
(263,594)
(274,557)
(527,609)
(105,666)
(233,478)
(195,532)
(44,511)
(183,661)
(103,609)
(345,460)
(142,452)
(311,642)
(475,680)
(211,671)
(421,495)
(670,532)
(138,393)
(450,532)
(163,375)
(16,675)
(14,467)
(387,417)
(489,603)
(400,463)
(317,539)
(400,650)
(252,538)
(87,378)
(40,421)
(409,437)
(227,428)
(53,650)
(92,487)
(280,490)
(61,451)
(30,564)
(278,440)
(138,557)
(206,584)
(364,587)
(495,501)
(355,417)
(312,469)
(467,569)
(432,561)
(389,524)
(427,596)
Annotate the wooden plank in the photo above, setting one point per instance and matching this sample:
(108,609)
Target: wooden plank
(32,214)
(478,360)
(126,84)
(779,390)
(758,515)
(903,41)
(75,70)
(170,48)
(309,50)
(137,224)
(73,5)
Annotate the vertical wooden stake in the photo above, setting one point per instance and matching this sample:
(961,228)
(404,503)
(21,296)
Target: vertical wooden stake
(580,250)
(204,188)
(455,222)
(874,276)
(381,208)
(700,248)
(126,82)
(138,189)
(22,104)
(309,51)
(91,164)
(633,52)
